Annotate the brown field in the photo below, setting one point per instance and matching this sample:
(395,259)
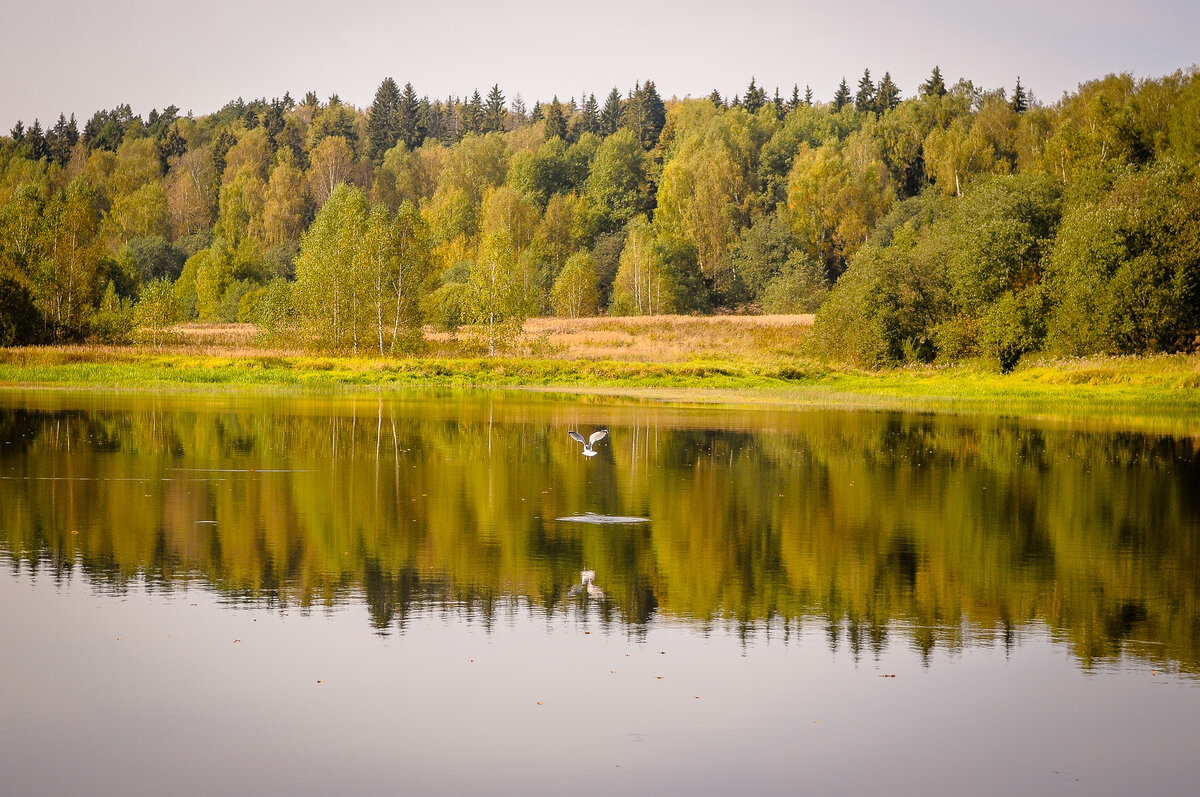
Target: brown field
(762,339)
(666,338)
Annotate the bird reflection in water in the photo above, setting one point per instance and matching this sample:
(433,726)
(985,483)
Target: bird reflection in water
(587,584)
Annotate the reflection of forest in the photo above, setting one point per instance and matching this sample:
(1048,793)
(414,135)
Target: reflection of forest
(935,528)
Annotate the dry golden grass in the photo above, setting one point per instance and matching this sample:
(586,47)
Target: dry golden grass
(764,340)
(666,338)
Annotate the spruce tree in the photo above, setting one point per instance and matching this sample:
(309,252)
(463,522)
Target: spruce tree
(35,140)
(794,102)
(493,111)
(842,98)
(753,99)
(556,123)
(410,127)
(472,114)
(518,112)
(808,96)
(383,120)
(59,142)
(864,100)
(590,122)
(779,109)
(1020,102)
(888,95)
(610,117)
(655,114)
(935,86)
(715,97)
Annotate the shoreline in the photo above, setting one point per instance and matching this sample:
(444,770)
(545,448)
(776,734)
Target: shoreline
(1164,386)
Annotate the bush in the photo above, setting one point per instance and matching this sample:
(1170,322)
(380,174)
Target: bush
(799,287)
(1014,325)
(20,322)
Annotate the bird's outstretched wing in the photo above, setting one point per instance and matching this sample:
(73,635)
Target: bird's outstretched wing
(596,437)
(577,436)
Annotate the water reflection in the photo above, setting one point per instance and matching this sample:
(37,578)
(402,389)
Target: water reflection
(946,531)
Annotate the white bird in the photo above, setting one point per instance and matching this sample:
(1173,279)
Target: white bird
(591,441)
(586,578)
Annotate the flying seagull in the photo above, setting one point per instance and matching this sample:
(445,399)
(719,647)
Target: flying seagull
(591,441)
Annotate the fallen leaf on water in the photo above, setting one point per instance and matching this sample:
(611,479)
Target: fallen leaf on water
(320,680)
(660,677)
(237,640)
(587,632)
(540,703)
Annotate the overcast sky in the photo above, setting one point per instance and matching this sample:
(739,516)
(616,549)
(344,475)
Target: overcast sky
(77,57)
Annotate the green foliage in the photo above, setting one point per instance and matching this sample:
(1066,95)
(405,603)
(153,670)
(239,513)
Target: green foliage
(757,201)
(575,293)
(495,296)
(617,187)
(155,311)
(884,310)
(151,258)
(1013,326)
(20,322)
(114,319)
(1125,268)
(800,286)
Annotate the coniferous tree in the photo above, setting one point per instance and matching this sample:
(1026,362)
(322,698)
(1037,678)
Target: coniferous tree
(472,114)
(35,140)
(1020,102)
(590,121)
(779,108)
(645,114)
(842,98)
(864,100)
(808,96)
(888,95)
(556,122)
(794,102)
(716,99)
(935,86)
(610,116)
(273,121)
(410,122)
(383,120)
(754,99)
(61,138)
(656,114)
(518,112)
(493,111)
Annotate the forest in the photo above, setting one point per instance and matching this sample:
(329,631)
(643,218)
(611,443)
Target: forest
(956,223)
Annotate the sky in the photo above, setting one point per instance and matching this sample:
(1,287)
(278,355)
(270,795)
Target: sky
(86,56)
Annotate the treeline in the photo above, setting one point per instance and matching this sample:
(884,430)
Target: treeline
(958,222)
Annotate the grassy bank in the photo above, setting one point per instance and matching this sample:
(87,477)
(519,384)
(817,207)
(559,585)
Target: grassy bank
(733,360)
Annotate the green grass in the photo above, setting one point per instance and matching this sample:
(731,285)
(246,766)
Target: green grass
(1127,386)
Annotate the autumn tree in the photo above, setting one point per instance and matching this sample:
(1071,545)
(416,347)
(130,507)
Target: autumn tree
(575,293)
(494,291)
(330,292)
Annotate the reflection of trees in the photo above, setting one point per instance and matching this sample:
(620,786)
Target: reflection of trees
(941,530)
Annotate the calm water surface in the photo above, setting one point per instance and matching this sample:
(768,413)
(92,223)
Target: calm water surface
(247,595)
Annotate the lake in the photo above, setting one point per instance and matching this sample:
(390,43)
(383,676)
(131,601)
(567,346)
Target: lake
(434,592)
